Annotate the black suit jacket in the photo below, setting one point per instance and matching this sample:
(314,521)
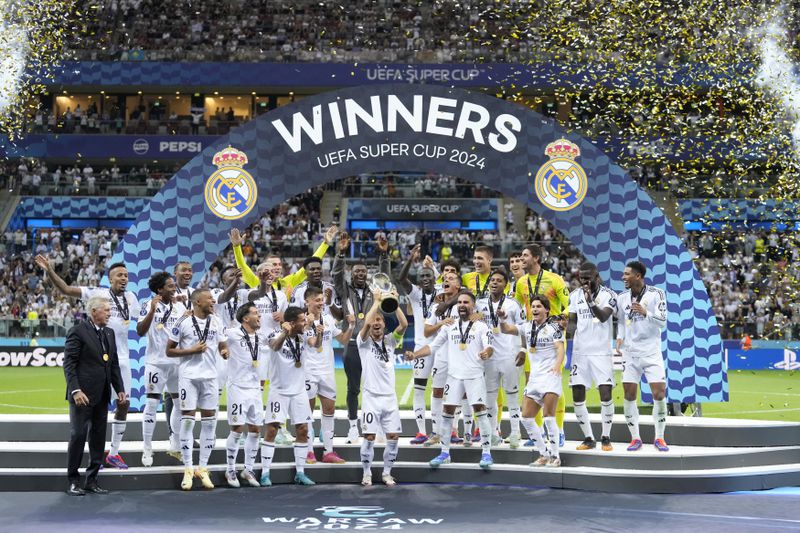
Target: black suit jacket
(84,367)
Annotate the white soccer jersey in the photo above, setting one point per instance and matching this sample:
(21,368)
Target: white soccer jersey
(187,293)
(433,320)
(541,346)
(164,319)
(321,362)
(299,294)
(592,337)
(463,363)
(505,346)
(185,334)
(122,312)
(642,334)
(274,301)
(241,371)
(422,307)
(227,311)
(284,376)
(377,363)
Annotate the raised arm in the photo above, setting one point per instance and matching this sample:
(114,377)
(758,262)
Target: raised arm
(143,325)
(371,314)
(337,272)
(401,319)
(293,280)
(402,279)
(57,281)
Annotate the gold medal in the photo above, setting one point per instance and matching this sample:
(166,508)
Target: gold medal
(628,322)
(533,350)
(297,364)
(495,330)
(319,349)
(105,357)
(160,326)
(127,322)
(463,346)
(255,364)
(361,316)
(595,320)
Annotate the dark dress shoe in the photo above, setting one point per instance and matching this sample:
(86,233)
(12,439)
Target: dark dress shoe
(94,488)
(75,490)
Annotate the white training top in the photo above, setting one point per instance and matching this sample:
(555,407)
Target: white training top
(378,365)
(422,307)
(241,371)
(317,363)
(466,363)
(284,376)
(200,365)
(505,346)
(642,334)
(119,314)
(543,355)
(157,336)
(593,337)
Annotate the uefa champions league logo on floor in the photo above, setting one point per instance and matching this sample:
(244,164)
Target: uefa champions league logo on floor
(230,191)
(353,517)
(561,183)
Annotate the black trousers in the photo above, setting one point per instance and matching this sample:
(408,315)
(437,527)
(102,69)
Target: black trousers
(352,369)
(83,421)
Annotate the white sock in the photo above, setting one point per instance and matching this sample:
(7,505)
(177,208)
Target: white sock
(607,415)
(552,436)
(447,428)
(582,415)
(467,417)
(232,449)
(389,456)
(250,451)
(354,423)
(436,415)
(267,453)
(367,455)
(492,413)
(632,418)
(327,432)
(485,427)
(514,415)
(175,424)
(419,408)
(117,431)
(534,433)
(187,439)
(149,422)
(208,430)
(300,453)
(660,417)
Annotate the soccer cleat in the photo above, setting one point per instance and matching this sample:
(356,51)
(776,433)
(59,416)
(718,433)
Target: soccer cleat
(476,435)
(554,462)
(147,457)
(661,445)
(188,476)
(497,440)
(311,459)
(486,461)
(388,480)
(352,435)
(441,459)
(175,454)
(529,443)
(249,477)
(541,461)
(635,445)
(366,481)
(205,480)
(562,439)
(433,440)
(419,439)
(455,439)
(301,478)
(116,461)
(265,480)
(513,441)
(605,444)
(230,477)
(283,438)
(333,458)
(588,444)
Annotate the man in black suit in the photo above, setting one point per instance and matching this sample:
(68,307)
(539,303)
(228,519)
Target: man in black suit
(91,368)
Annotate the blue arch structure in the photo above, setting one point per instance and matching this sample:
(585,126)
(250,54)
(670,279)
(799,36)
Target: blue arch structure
(616,222)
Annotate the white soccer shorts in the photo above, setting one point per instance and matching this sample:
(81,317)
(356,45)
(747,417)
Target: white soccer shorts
(321,385)
(160,378)
(651,366)
(474,388)
(380,412)
(245,406)
(125,370)
(539,385)
(279,407)
(439,371)
(502,371)
(586,369)
(196,394)
(222,373)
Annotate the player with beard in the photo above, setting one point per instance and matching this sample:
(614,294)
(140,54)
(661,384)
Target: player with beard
(124,308)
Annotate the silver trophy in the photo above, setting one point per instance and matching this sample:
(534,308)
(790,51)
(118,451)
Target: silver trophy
(381,283)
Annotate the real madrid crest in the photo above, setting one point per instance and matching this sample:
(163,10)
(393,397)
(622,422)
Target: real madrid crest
(561,182)
(230,191)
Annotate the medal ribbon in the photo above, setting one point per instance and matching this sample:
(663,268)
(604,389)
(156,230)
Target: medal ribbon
(294,348)
(492,314)
(638,300)
(252,349)
(201,337)
(123,309)
(426,305)
(535,333)
(166,315)
(382,349)
(464,334)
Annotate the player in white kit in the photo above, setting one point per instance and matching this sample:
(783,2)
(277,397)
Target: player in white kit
(591,311)
(469,345)
(156,319)
(124,308)
(245,400)
(287,395)
(642,316)
(198,339)
(379,408)
(422,298)
(320,375)
(502,369)
(544,340)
